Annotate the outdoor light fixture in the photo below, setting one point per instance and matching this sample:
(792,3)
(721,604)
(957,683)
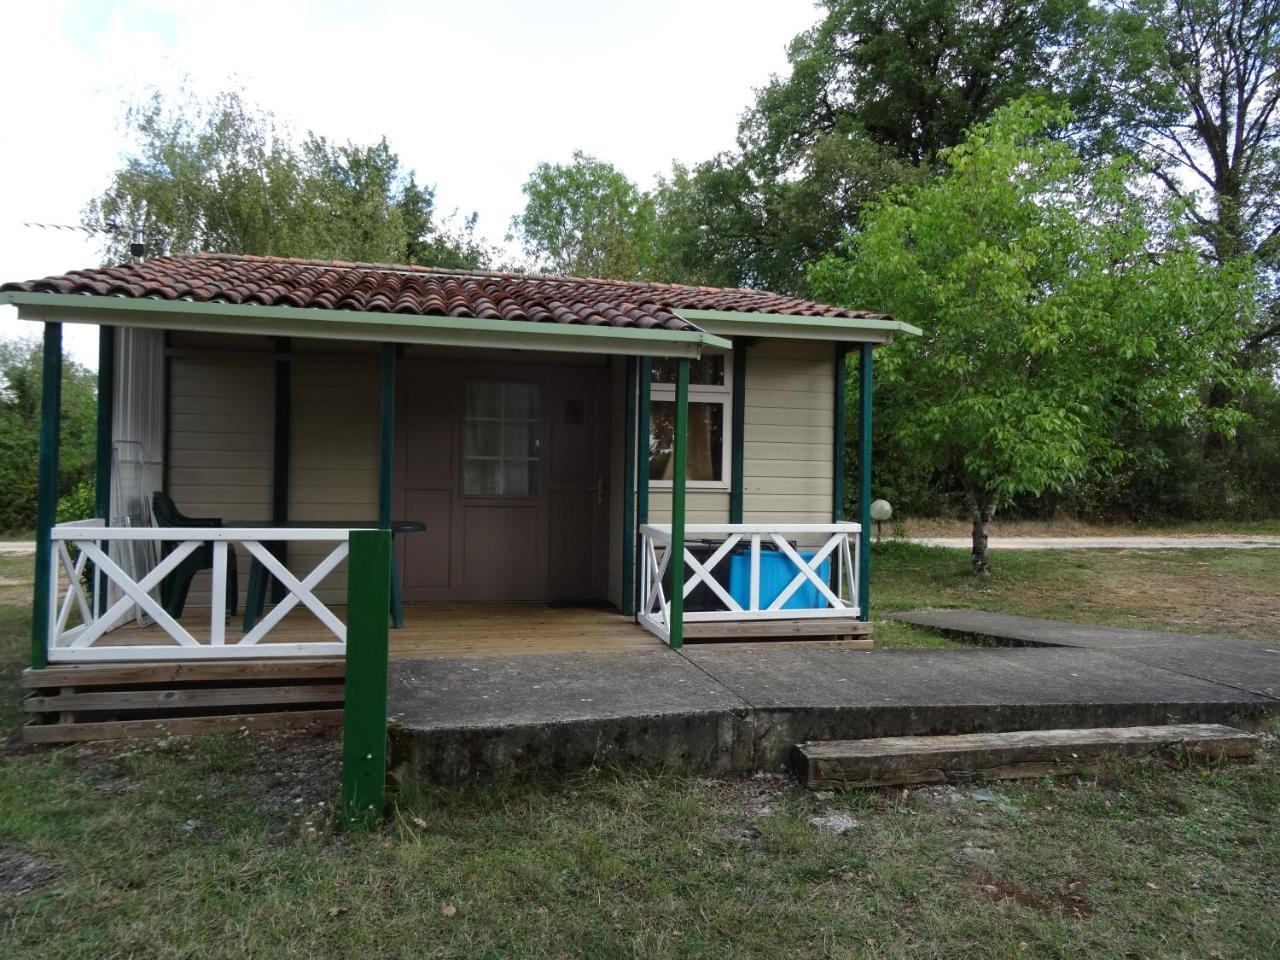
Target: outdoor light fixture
(881,510)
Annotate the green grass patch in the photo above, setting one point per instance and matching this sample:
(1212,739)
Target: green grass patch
(226,846)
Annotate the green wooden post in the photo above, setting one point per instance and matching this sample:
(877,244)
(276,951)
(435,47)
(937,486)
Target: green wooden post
(46,490)
(838,437)
(864,482)
(629,490)
(282,441)
(364,715)
(387,434)
(643,431)
(679,456)
(106,413)
(737,428)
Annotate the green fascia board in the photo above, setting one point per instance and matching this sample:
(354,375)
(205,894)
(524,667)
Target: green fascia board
(848,329)
(356,325)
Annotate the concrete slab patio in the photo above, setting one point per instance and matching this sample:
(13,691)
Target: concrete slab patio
(717,710)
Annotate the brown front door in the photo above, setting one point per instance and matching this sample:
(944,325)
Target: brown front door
(507,465)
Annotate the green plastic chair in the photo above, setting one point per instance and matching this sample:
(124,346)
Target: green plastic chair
(174,587)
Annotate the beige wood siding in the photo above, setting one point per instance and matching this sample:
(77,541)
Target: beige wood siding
(333,461)
(220,436)
(787,449)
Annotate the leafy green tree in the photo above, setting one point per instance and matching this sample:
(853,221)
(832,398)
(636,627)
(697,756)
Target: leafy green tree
(20,389)
(585,218)
(876,89)
(222,175)
(1058,303)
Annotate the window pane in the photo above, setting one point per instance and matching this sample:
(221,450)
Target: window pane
(500,439)
(706,441)
(707,371)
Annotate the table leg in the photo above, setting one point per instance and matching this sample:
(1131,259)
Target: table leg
(397,613)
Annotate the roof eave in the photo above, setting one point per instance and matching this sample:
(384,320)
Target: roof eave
(793,326)
(356,325)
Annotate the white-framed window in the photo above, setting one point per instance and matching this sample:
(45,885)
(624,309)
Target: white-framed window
(502,427)
(710,390)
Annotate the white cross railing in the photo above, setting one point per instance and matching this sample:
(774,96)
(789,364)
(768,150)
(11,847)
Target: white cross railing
(80,554)
(750,595)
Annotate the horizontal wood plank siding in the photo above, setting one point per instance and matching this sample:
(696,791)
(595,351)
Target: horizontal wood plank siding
(220,436)
(333,461)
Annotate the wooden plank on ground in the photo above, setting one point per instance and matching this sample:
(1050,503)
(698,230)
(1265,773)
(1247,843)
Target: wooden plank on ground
(889,761)
(111,674)
(181,726)
(185,698)
(815,627)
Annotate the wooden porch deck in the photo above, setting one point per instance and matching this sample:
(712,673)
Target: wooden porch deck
(448,630)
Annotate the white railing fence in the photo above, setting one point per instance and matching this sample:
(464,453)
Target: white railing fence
(751,572)
(80,556)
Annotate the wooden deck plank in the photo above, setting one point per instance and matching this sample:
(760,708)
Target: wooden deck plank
(185,698)
(894,761)
(112,674)
(181,726)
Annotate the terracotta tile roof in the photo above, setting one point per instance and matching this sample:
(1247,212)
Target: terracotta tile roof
(424,291)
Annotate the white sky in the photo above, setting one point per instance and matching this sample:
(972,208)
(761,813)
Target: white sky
(472,95)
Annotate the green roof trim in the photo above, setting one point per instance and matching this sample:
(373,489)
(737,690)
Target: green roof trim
(356,325)
(729,322)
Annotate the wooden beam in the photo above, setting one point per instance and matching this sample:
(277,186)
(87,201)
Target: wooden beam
(893,761)
(737,428)
(364,737)
(181,726)
(108,674)
(864,481)
(629,443)
(644,429)
(46,490)
(679,467)
(800,627)
(386,434)
(184,698)
(106,419)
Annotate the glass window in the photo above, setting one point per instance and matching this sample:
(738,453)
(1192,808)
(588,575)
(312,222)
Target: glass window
(705,455)
(502,424)
(708,446)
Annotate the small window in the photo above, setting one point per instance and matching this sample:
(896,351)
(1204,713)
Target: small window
(708,444)
(502,427)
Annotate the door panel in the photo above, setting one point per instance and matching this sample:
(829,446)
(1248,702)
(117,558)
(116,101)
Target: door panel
(550,545)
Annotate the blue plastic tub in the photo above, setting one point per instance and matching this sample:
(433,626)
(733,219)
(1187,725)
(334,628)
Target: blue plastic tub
(776,571)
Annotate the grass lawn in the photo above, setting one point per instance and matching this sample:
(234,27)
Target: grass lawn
(225,846)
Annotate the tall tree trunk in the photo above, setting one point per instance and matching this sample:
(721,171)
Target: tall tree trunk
(982,507)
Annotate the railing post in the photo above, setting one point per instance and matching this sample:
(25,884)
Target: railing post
(679,457)
(46,494)
(364,717)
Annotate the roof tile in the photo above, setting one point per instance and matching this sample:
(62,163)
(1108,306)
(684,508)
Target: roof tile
(417,290)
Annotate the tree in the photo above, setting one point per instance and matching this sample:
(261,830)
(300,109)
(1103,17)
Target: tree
(585,218)
(876,89)
(222,175)
(20,388)
(1058,302)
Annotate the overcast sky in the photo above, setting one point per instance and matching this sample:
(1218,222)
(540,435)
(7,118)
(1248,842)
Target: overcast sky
(472,95)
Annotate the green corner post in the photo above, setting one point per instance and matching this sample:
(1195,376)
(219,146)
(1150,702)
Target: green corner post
(46,490)
(838,436)
(864,482)
(281,444)
(629,489)
(679,456)
(364,715)
(386,454)
(102,477)
(643,431)
(737,428)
